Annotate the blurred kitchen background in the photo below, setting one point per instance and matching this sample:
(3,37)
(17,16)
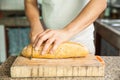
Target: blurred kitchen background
(14,29)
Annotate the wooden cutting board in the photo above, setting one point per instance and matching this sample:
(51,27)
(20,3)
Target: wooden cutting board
(87,66)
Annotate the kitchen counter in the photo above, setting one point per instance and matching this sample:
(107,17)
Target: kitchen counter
(110,24)
(109,30)
(112,71)
(14,21)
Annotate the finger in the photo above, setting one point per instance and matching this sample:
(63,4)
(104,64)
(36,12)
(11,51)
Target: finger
(55,46)
(39,36)
(47,45)
(45,37)
(41,40)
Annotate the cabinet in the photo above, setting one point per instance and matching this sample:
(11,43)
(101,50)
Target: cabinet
(106,29)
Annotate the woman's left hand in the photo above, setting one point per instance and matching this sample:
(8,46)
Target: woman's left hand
(55,37)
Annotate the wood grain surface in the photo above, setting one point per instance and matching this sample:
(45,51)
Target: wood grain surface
(86,66)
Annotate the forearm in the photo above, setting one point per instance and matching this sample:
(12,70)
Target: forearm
(32,14)
(88,15)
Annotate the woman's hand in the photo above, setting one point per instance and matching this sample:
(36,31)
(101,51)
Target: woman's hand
(34,31)
(55,37)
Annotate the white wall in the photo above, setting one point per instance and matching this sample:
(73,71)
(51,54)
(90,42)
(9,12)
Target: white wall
(12,4)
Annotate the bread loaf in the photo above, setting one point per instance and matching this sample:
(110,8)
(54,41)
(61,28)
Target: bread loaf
(64,50)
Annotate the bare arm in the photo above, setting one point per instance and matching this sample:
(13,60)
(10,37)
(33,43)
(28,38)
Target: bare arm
(87,16)
(32,13)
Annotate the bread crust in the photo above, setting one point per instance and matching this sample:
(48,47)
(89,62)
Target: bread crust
(64,50)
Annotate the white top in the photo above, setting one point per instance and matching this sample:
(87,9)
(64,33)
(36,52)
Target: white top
(58,13)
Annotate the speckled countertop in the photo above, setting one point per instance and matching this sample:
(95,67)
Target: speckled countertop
(112,71)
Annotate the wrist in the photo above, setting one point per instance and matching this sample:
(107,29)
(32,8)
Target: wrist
(34,32)
(36,27)
(35,24)
(71,30)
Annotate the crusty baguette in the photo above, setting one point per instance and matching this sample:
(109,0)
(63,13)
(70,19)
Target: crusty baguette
(64,50)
